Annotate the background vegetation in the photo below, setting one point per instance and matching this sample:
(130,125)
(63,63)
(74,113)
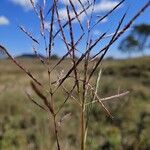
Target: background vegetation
(71,90)
(24,126)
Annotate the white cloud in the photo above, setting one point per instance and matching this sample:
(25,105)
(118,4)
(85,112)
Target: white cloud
(102,6)
(97,32)
(3,21)
(47,26)
(105,5)
(76,2)
(26,4)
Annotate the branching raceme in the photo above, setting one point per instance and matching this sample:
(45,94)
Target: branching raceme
(63,30)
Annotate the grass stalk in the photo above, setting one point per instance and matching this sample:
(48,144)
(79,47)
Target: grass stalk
(82,128)
(85,59)
(56,132)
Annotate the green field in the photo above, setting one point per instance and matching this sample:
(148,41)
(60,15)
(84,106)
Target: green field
(24,126)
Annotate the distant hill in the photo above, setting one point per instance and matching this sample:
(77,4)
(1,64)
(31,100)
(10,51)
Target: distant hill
(54,56)
(29,56)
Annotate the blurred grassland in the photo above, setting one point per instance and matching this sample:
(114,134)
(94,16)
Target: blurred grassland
(23,126)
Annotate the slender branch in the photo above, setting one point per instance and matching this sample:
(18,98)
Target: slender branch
(108,98)
(101,103)
(20,66)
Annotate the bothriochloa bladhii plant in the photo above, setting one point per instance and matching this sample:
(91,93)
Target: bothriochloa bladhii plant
(73,32)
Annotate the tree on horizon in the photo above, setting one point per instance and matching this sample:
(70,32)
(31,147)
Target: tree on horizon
(137,41)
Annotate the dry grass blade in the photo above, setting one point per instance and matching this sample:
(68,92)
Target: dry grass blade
(74,9)
(87,57)
(69,94)
(61,28)
(38,92)
(79,40)
(42,21)
(71,31)
(107,47)
(109,98)
(101,103)
(132,20)
(85,11)
(97,83)
(73,49)
(51,30)
(20,66)
(32,2)
(105,109)
(43,97)
(28,34)
(112,10)
(34,7)
(50,10)
(77,63)
(64,56)
(72,19)
(126,27)
(91,16)
(36,103)
(97,41)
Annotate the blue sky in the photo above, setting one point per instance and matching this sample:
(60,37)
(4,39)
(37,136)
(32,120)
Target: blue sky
(20,12)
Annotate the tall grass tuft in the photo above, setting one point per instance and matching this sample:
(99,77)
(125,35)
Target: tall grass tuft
(54,29)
